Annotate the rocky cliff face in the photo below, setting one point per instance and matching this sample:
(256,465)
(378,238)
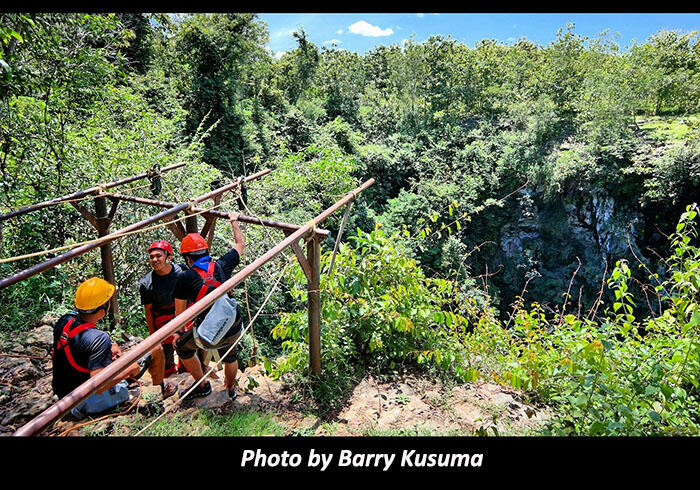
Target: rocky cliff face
(24,364)
(545,239)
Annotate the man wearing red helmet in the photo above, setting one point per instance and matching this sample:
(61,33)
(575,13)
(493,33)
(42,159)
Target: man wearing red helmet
(156,290)
(202,277)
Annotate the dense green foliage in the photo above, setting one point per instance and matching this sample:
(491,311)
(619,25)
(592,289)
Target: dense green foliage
(507,175)
(616,375)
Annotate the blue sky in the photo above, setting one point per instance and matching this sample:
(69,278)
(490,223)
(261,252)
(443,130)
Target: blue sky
(361,32)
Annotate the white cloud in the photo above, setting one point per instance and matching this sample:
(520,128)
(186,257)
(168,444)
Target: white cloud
(332,41)
(340,31)
(365,29)
(281,33)
(420,16)
(279,54)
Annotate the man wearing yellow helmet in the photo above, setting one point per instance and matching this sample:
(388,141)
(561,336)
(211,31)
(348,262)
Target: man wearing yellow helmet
(81,351)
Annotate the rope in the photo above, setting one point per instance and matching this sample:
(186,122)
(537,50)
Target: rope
(167,187)
(247,304)
(312,224)
(245,283)
(119,235)
(217,365)
(264,226)
(340,233)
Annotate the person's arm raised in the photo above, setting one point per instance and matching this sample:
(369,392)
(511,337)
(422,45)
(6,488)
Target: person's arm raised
(237,233)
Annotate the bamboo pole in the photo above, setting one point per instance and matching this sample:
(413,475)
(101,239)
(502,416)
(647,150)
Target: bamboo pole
(31,271)
(313,288)
(176,208)
(83,193)
(104,377)
(103,222)
(287,227)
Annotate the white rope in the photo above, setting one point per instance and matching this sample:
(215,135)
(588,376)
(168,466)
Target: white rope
(340,234)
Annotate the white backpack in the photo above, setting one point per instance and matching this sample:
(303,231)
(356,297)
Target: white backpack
(217,323)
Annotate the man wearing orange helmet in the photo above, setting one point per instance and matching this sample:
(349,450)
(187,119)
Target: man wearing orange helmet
(156,291)
(80,351)
(202,277)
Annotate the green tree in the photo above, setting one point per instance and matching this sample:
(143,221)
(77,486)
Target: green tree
(668,67)
(297,68)
(341,79)
(218,54)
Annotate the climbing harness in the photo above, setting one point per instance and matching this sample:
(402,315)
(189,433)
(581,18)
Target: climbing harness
(210,281)
(220,317)
(63,343)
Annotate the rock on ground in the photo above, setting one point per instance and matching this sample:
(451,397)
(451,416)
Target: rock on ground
(423,407)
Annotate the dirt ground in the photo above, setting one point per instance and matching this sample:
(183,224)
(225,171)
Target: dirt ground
(405,406)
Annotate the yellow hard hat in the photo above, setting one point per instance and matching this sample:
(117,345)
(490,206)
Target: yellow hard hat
(93,293)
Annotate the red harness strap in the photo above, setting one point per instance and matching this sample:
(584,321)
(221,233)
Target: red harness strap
(209,281)
(68,334)
(161,320)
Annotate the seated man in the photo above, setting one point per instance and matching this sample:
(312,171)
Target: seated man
(156,291)
(202,277)
(80,351)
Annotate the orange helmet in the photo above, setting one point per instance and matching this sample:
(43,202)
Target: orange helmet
(192,243)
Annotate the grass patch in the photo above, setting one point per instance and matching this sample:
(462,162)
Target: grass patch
(673,129)
(204,423)
(415,431)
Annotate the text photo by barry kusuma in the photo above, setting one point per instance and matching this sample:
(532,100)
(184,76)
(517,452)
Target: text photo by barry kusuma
(346,458)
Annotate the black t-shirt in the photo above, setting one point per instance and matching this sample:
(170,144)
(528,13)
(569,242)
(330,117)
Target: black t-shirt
(190,282)
(158,290)
(91,349)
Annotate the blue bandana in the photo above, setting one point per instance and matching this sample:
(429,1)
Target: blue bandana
(202,263)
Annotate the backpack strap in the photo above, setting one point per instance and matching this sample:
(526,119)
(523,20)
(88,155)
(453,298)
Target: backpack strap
(67,334)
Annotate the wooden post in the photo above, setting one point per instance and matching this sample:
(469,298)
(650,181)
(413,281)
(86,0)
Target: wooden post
(191,223)
(210,223)
(103,222)
(313,253)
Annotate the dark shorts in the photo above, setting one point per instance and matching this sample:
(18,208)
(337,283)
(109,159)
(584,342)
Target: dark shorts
(186,346)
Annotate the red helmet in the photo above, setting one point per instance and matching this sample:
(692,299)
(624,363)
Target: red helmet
(192,243)
(162,245)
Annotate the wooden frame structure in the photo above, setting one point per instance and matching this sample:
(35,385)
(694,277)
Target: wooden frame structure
(310,264)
